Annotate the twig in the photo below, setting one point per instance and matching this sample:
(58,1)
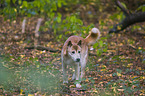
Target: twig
(125,11)
(23,26)
(38,47)
(37,27)
(50,49)
(36,32)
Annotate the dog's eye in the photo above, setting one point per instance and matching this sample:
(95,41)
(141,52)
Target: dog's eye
(73,52)
(79,51)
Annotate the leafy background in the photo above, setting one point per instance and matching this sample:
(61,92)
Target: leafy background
(116,68)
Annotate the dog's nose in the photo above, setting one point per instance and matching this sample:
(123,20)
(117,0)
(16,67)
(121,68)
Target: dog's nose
(78,60)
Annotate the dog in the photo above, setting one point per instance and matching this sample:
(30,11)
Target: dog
(75,53)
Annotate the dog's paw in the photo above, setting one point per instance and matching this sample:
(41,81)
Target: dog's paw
(65,82)
(78,86)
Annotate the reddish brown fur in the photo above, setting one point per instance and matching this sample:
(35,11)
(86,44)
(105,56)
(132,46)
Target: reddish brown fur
(91,38)
(75,43)
(75,47)
(74,40)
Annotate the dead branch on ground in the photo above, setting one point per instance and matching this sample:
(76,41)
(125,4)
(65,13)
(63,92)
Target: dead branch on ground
(130,19)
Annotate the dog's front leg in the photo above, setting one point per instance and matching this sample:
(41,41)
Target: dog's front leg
(74,76)
(84,58)
(83,65)
(64,68)
(82,71)
(77,71)
(77,75)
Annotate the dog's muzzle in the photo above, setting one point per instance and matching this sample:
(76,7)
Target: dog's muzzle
(78,60)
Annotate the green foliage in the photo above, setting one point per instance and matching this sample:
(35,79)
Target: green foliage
(37,7)
(28,78)
(101,45)
(49,10)
(70,23)
(142,8)
(114,71)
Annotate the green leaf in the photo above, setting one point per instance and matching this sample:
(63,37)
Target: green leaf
(51,15)
(124,5)
(25,4)
(99,52)
(95,45)
(142,7)
(59,3)
(105,50)
(101,43)
(58,19)
(14,1)
(60,36)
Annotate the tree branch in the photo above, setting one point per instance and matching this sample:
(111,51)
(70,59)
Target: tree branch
(50,49)
(43,48)
(128,20)
(125,11)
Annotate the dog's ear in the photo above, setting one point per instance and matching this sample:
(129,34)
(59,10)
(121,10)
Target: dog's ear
(69,43)
(65,51)
(80,43)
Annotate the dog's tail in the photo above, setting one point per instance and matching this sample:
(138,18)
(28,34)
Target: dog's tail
(93,36)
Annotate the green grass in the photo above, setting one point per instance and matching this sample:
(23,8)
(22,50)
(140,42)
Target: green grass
(28,79)
(33,77)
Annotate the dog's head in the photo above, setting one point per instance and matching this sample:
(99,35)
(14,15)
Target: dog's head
(74,51)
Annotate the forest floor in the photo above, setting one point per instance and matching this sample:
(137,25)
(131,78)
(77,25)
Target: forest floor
(118,71)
